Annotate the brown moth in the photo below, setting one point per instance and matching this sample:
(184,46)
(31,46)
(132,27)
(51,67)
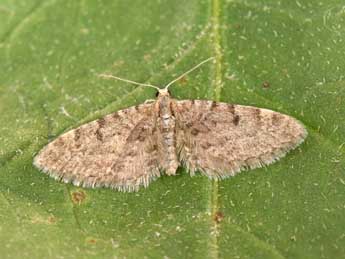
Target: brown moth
(131,147)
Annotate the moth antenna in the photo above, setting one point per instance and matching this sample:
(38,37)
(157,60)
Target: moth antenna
(190,70)
(128,81)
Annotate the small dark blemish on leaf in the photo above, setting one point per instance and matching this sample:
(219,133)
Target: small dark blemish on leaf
(52,219)
(266,84)
(92,241)
(78,197)
(218,217)
(183,80)
(237,26)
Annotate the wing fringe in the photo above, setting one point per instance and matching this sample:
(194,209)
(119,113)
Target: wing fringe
(143,181)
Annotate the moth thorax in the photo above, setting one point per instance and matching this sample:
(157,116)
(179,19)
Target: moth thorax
(167,139)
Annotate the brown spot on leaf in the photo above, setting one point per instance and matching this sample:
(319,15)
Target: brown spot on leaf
(92,241)
(52,219)
(266,84)
(183,80)
(38,219)
(78,197)
(218,216)
(237,26)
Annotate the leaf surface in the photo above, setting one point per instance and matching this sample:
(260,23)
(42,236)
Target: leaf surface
(287,56)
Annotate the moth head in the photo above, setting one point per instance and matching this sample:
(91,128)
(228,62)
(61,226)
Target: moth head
(163,92)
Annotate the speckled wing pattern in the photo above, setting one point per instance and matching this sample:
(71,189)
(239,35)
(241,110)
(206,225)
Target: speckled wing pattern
(220,139)
(118,151)
(129,148)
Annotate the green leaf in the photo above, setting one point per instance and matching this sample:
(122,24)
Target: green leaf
(282,55)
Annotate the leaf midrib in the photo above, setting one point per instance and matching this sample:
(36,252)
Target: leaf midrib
(217,85)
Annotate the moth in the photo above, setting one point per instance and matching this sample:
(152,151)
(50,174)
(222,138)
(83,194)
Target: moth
(131,147)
